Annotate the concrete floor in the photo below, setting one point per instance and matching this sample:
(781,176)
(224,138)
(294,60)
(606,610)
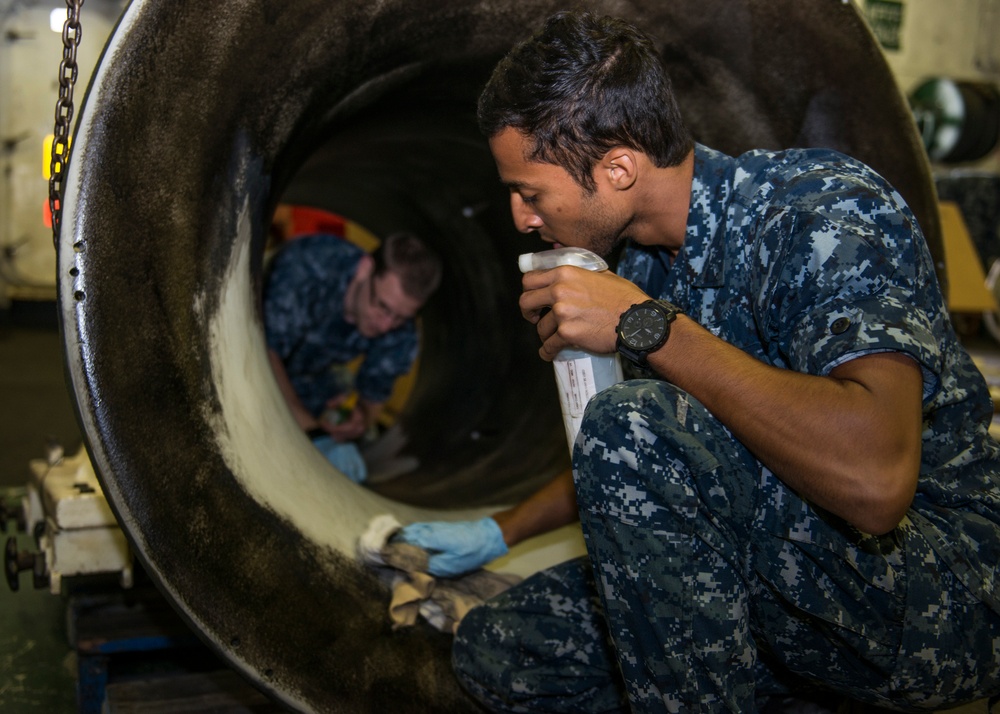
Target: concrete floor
(37,664)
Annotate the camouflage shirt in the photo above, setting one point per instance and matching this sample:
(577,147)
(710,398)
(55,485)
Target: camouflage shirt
(806,259)
(304,323)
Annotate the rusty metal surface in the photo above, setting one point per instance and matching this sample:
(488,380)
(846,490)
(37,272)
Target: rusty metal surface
(202,109)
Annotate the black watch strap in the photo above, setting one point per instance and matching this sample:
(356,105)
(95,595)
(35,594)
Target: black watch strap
(637,358)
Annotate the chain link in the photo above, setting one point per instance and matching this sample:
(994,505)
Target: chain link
(68,71)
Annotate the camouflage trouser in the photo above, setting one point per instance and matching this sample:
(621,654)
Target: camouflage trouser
(717,586)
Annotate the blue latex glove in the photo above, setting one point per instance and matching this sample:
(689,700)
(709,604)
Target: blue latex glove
(457,547)
(344,456)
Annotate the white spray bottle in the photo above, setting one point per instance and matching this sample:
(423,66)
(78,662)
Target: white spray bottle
(579,374)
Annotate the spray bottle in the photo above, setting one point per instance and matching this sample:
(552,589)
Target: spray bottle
(579,374)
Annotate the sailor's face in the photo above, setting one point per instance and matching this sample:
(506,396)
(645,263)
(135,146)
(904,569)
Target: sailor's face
(545,199)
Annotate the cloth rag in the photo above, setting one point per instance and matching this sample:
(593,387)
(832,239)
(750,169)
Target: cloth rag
(442,602)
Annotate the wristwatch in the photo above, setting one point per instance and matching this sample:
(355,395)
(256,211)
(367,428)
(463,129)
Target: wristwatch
(644,328)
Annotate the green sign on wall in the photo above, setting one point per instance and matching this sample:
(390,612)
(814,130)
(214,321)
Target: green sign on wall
(886,19)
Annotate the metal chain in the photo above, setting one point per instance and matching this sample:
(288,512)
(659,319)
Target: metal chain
(68,70)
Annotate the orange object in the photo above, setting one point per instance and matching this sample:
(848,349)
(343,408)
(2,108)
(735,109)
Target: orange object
(305,220)
(47,213)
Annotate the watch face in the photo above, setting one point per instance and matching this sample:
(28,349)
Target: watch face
(643,328)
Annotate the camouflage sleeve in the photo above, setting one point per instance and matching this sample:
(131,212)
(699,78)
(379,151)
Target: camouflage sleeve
(636,263)
(837,287)
(389,357)
(642,265)
(289,294)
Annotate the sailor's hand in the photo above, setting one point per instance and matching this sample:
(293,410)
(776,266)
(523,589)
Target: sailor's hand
(352,427)
(456,547)
(343,417)
(344,455)
(574,307)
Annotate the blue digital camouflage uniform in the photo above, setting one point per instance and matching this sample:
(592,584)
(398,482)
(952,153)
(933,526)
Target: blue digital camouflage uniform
(304,324)
(718,585)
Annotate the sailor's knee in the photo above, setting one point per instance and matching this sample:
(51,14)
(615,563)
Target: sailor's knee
(480,658)
(612,408)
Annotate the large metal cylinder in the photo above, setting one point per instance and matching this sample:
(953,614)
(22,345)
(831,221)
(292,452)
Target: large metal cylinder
(199,119)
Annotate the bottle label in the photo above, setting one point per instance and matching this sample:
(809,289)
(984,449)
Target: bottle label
(575,379)
(576,384)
